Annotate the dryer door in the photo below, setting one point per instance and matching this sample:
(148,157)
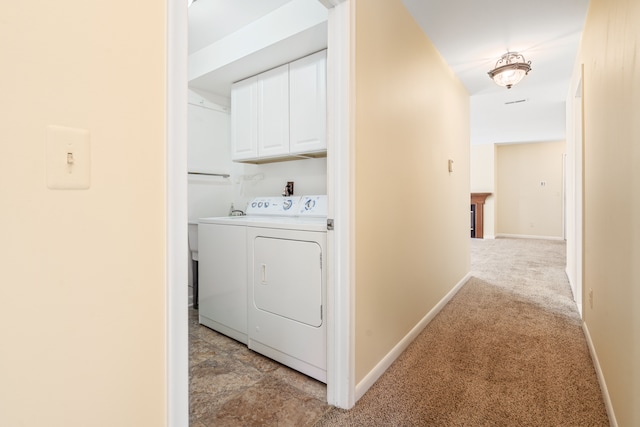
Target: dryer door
(288,279)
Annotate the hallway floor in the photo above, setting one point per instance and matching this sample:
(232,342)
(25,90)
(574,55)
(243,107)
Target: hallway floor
(230,385)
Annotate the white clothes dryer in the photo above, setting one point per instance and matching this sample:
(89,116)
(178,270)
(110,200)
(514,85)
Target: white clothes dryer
(287,294)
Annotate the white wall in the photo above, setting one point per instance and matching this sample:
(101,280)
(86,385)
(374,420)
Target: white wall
(483,181)
(83,273)
(411,117)
(609,53)
(503,123)
(529,182)
(208,152)
(519,205)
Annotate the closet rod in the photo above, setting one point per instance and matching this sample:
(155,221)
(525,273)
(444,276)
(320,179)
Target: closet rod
(224,175)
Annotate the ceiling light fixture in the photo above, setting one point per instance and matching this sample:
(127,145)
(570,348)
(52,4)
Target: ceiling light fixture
(510,69)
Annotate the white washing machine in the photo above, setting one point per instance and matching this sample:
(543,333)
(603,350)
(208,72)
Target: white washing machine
(263,279)
(222,275)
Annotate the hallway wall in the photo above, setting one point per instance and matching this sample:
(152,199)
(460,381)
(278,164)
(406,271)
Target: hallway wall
(529,184)
(610,51)
(412,214)
(83,272)
(483,180)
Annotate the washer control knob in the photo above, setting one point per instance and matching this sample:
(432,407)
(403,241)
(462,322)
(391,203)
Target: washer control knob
(309,204)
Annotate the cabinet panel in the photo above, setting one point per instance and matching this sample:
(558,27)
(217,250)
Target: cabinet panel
(244,119)
(308,103)
(273,112)
(208,140)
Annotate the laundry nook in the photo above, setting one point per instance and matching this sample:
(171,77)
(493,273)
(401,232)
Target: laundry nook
(263,279)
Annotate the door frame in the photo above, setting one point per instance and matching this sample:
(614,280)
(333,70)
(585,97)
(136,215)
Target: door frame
(340,281)
(575,187)
(340,186)
(176,292)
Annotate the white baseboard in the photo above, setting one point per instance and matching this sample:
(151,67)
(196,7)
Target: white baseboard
(383,365)
(489,236)
(527,236)
(579,305)
(603,385)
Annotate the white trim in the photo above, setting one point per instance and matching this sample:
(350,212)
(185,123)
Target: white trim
(386,361)
(527,236)
(177,341)
(340,288)
(564,194)
(579,161)
(575,186)
(603,384)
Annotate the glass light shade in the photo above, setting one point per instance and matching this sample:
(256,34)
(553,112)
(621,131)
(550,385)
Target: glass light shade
(510,70)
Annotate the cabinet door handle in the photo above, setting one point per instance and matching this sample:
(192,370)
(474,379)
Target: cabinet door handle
(263,273)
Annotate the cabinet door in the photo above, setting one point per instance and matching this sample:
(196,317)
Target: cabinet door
(308,103)
(244,119)
(273,112)
(208,140)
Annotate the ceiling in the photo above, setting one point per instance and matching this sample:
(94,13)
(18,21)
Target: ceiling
(236,32)
(471,36)
(211,20)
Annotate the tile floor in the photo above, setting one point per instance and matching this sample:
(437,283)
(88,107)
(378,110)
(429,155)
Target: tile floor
(230,385)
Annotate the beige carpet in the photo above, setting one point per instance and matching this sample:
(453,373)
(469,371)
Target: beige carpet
(508,350)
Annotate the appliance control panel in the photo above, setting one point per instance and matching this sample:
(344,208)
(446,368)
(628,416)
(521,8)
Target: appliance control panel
(313,206)
(302,206)
(281,206)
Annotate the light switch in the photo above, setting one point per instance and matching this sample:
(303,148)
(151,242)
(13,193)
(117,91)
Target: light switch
(68,158)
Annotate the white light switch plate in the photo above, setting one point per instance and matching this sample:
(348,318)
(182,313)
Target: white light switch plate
(68,158)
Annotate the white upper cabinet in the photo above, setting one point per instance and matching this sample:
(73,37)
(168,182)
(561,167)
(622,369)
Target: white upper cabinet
(308,104)
(209,136)
(282,112)
(273,112)
(244,119)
